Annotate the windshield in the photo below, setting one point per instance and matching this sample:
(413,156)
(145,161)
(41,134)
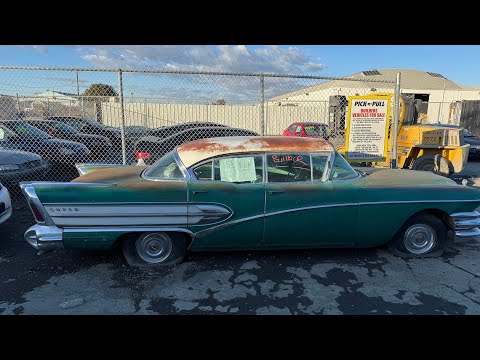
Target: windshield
(316,130)
(165,168)
(28,130)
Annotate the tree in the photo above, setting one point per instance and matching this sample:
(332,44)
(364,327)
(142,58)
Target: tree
(220,102)
(96,94)
(100,90)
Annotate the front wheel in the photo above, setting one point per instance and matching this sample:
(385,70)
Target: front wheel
(154,249)
(424,235)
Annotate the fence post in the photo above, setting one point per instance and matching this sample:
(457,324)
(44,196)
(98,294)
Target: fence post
(122,116)
(396,119)
(262,104)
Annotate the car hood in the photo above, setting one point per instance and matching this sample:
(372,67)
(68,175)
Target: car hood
(15,157)
(398,177)
(113,175)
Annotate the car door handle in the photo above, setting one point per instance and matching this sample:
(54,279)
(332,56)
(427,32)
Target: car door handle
(272,192)
(195,192)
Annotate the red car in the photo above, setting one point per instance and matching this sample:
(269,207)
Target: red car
(307,129)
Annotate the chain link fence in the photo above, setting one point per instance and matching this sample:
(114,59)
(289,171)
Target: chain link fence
(53,118)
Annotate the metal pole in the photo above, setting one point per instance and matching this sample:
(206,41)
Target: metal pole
(396,119)
(18,105)
(122,117)
(78,87)
(441,104)
(262,104)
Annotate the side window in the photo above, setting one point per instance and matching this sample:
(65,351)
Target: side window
(319,163)
(288,167)
(341,169)
(204,171)
(291,129)
(239,169)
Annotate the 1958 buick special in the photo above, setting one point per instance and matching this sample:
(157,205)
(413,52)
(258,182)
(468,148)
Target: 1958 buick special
(248,193)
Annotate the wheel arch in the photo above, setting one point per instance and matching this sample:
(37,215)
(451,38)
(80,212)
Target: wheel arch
(438,213)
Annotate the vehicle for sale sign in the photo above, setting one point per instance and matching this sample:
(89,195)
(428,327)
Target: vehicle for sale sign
(367,128)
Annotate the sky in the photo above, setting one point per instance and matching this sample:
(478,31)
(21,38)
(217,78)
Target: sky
(455,62)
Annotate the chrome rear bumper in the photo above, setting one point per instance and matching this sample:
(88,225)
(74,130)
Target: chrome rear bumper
(44,237)
(466,224)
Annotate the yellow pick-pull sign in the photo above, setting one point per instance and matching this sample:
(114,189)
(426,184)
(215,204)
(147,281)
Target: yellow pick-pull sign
(367,128)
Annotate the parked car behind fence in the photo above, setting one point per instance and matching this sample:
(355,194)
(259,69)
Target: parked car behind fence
(149,149)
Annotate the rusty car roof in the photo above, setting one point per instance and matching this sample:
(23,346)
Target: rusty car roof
(198,150)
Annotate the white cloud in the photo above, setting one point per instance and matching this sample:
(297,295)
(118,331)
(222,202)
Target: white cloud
(237,58)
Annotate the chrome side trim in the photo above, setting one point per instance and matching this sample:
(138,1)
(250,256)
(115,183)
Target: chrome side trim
(44,237)
(31,197)
(58,183)
(203,233)
(414,201)
(112,214)
(213,229)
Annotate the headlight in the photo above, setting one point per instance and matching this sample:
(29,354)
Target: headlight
(66,151)
(9,167)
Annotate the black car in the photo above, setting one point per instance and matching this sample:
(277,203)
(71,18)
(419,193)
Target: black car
(89,126)
(167,131)
(17,165)
(474,141)
(19,135)
(148,150)
(97,144)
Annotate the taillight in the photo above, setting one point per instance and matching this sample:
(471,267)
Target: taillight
(38,215)
(142,155)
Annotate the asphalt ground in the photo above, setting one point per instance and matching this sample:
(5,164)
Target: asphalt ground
(330,281)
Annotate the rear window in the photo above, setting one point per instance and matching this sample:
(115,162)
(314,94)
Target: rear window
(165,168)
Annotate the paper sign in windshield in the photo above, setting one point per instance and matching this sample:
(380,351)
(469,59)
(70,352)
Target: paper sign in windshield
(238,169)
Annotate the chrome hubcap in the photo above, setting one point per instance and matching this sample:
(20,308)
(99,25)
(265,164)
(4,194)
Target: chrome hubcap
(419,239)
(154,248)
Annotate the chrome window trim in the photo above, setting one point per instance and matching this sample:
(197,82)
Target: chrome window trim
(181,166)
(341,180)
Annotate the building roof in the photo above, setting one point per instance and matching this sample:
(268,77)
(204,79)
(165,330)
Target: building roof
(410,79)
(52,92)
(198,150)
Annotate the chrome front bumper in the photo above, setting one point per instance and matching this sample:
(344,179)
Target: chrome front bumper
(44,237)
(466,224)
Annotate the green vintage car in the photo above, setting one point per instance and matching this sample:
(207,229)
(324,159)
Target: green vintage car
(248,193)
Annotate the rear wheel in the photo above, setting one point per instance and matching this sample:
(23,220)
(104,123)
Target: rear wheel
(154,249)
(434,163)
(424,235)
